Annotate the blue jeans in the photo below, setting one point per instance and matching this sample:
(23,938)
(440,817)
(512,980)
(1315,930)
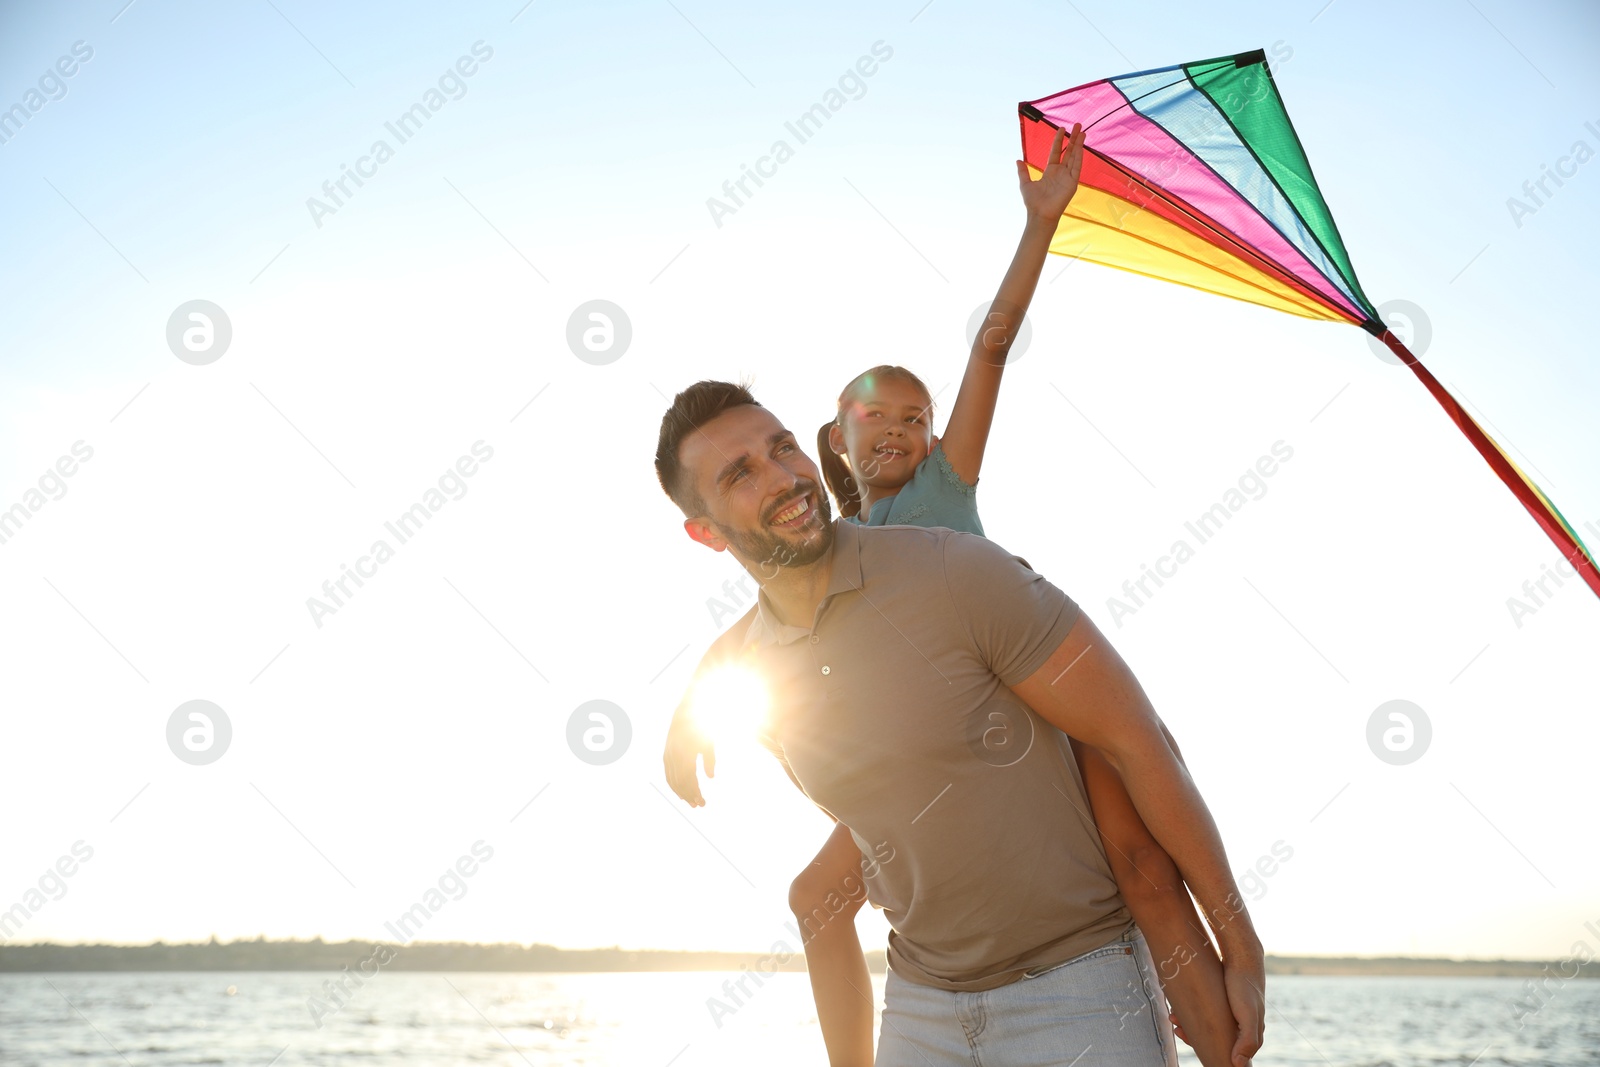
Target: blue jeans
(1103,1008)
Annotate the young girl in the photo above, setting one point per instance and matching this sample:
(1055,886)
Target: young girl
(884,466)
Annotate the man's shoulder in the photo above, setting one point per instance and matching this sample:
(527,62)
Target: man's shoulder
(902,561)
(898,541)
(896,548)
(913,537)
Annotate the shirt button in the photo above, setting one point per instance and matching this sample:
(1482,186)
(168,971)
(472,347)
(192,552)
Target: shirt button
(815,639)
(825,669)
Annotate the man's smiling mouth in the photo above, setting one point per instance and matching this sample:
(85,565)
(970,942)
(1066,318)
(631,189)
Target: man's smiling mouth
(794,513)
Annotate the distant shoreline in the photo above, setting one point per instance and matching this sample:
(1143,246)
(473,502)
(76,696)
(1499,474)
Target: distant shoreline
(319,955)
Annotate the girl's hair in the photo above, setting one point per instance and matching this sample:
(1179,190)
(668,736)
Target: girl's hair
(835,470)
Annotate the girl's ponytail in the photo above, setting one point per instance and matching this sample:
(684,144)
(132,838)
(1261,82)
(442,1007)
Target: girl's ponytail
(837,474)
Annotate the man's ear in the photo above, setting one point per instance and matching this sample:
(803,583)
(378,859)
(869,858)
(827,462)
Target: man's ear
(700,530)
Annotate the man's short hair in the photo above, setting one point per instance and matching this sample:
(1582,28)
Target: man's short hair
(690,410)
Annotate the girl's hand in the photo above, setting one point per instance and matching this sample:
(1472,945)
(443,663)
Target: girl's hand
(1245,975)
(1048,197)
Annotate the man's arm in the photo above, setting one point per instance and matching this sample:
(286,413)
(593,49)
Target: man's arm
(1086,690)
(685,741)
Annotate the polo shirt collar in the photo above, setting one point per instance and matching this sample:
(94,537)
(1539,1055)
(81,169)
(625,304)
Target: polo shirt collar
(765,629)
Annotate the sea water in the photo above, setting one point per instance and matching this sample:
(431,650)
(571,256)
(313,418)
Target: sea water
(696,1019)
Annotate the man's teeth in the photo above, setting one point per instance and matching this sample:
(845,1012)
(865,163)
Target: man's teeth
(790,513)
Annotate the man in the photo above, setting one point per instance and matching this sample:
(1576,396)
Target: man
(891,654)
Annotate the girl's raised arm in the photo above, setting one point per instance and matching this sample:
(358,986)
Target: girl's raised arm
(967,433)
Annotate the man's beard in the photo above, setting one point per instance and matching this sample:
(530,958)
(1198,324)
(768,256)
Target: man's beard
(767,551)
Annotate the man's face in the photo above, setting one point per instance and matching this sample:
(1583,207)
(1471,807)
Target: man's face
(763,497)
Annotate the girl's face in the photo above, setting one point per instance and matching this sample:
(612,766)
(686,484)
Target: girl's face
(884,431)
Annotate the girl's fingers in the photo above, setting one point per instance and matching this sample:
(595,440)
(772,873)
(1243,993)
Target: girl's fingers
(1054,155)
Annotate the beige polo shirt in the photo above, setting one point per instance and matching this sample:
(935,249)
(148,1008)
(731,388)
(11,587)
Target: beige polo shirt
(892,712)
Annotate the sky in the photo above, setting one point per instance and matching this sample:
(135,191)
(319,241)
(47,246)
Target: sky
(410,336)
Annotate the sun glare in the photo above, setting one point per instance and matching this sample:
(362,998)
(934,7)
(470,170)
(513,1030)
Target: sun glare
(730,704)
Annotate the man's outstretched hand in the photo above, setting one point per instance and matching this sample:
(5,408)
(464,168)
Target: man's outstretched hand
(1049,196)
(685,742)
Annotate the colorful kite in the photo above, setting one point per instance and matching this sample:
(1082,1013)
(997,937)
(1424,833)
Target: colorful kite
(1193,174)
